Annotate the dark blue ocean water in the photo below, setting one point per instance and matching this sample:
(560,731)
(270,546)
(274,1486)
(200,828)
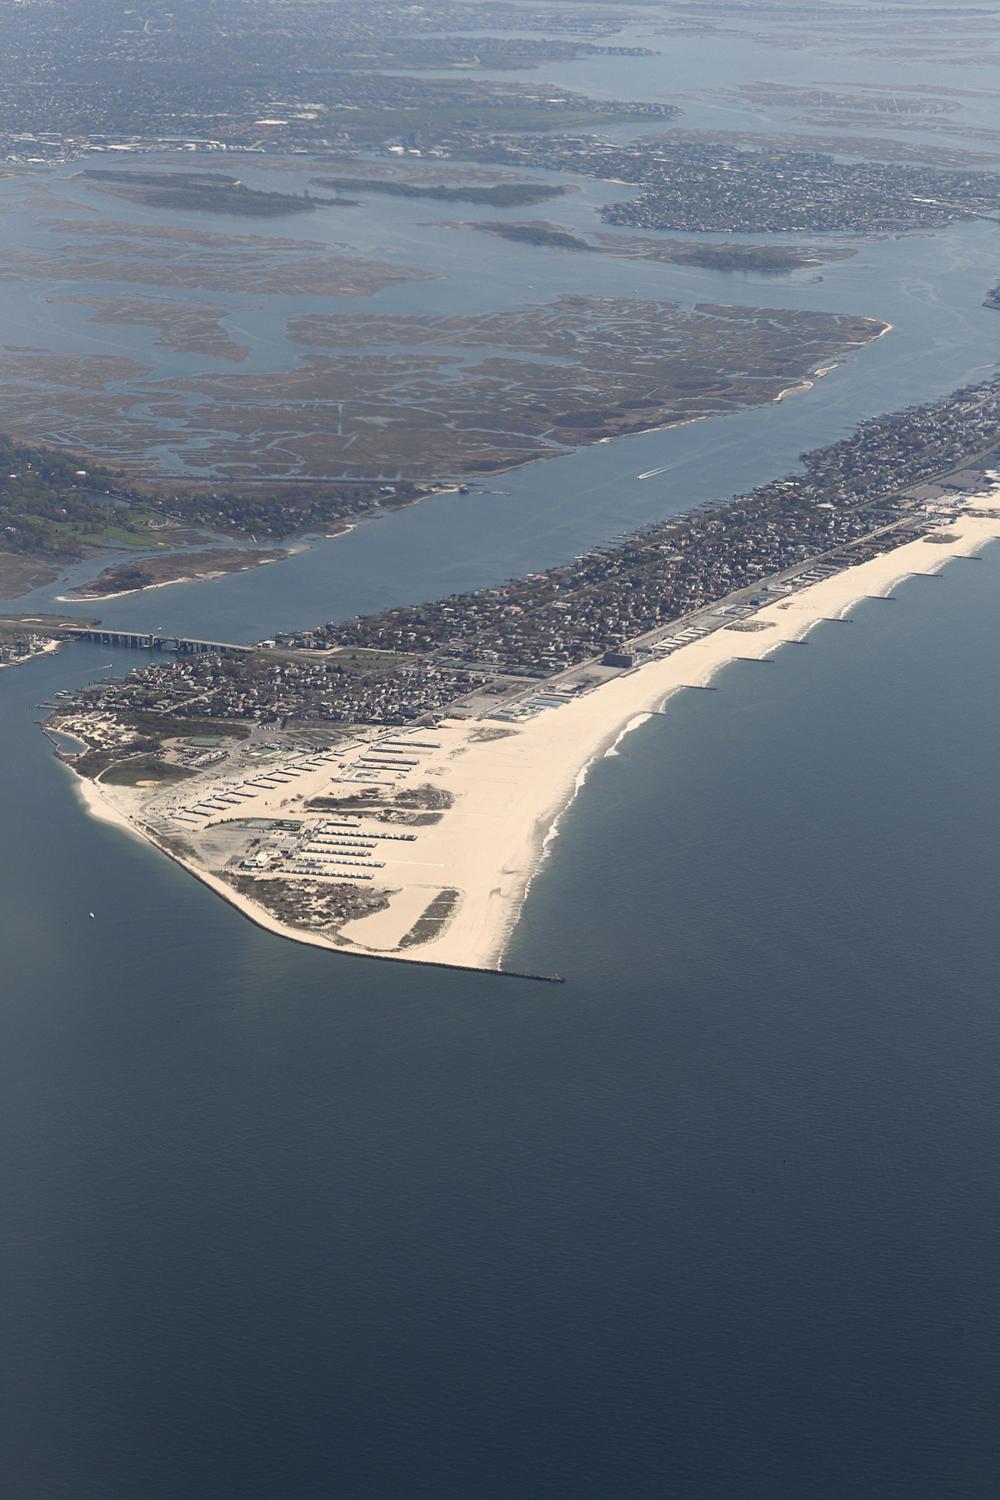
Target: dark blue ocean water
(718,1217)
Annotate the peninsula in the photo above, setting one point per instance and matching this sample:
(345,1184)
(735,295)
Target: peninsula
(53,513)
(175,567)
(694,185)
(388,787)
(21,641)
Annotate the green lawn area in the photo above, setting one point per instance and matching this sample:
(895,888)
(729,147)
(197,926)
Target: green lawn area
(116,536)
(362,659)
(167,727)
(143,768)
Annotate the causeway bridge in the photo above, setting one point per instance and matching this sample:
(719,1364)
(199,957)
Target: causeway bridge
(139,640)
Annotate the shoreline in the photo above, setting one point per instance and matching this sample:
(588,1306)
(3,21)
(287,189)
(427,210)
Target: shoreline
(510,794)
(104,812)
(81,597)
(641,716)
(46,650)
(456,483)
(430,489)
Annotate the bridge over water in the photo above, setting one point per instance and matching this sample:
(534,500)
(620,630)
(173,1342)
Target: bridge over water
(138,640)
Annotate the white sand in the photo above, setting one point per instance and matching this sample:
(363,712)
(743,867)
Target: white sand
(508,792)
(169,583)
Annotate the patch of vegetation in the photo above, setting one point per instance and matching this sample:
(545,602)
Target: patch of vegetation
(344,804)
(177,845)
(433,920)
(13,629)
(145,748)
(424,796)
(62,507)
(364,659)
(492,732)
(744,257)
(276,510)
(500,195)
(181,728)
(47,500)
(410,819)
(418,805)
(143,768)
(310,904)
(537,234)
(203,191)
(121,580)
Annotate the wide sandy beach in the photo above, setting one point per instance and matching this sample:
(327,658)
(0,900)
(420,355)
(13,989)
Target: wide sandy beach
(508,791)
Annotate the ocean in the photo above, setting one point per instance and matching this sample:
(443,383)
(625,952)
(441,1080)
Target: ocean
(717,1216)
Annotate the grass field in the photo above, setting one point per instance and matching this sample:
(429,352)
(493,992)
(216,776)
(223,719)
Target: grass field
(361,659)
(143,768)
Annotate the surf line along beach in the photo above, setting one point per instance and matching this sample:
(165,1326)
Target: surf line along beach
(506,789)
